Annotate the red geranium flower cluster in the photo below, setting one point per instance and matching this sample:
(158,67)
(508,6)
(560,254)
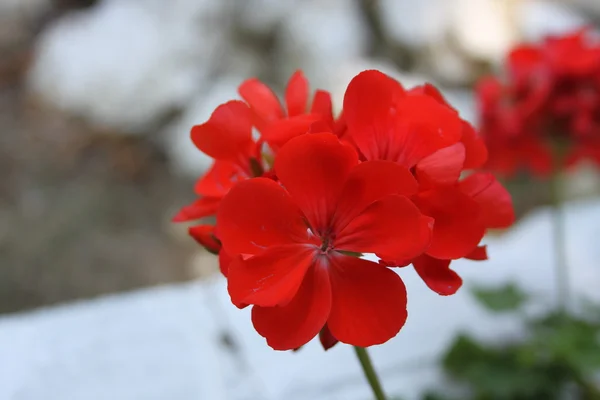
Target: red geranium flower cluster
(546,115)
(297,207)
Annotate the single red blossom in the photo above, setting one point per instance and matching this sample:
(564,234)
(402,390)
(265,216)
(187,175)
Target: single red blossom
(227,137)
(290,243)
(420,130)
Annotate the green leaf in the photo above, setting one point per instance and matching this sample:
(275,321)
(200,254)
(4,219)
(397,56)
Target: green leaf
(505,298)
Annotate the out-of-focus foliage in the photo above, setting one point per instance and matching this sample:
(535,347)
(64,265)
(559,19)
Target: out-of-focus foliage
(505,298)
(559,357)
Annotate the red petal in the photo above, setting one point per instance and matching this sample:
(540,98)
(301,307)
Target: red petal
(437,275)
(204,234)
(392,227)
(280,132)
(262,101)
(200,208)
(494,200)
(224,261)
(271,278)
(369,302)
(385,124)
(313,169)
(228,132)
(369,111)
(219,179)
(458,227)
(320,126)
(429,90)
(258,213)
(442,167)
(424,126)
(322,107)
(291,326)
(479,254)
(340,128)
(326,338)
(296,94)
(476,153)
(368,182)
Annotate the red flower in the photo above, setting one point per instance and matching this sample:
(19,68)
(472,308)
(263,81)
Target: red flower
(547,114)
(420,130)
(292,242)
(385,180)
(227,137)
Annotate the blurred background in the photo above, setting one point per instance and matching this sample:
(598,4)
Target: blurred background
(97,98)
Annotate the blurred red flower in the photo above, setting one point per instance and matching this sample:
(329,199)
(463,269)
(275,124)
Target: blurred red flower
(546,114)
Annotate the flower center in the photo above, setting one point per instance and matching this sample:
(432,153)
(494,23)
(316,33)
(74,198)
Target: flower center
(326,243)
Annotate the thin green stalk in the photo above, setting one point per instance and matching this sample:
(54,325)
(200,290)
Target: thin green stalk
(559,244)
(370,374)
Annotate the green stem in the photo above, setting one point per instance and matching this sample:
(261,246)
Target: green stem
(370,374)
(559,244)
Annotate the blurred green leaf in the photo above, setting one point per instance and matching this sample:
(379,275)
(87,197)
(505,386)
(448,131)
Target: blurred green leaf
(569,340)
(559,357)
(505,298)
(436,396)
(506,373)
